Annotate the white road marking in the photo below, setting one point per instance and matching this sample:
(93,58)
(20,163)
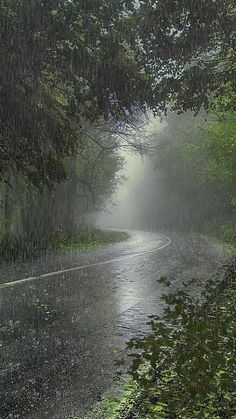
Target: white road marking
(106,262)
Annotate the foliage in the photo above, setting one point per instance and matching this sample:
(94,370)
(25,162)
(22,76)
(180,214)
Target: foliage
(63,62)
(111,405)
(196,172)
(90,239)
(186,366)
(30,218)
(218,143)
(191,46)
(56,69)
(227,233)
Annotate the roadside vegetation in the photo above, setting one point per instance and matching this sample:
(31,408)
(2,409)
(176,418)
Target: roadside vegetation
(186,366)
(199,176)
(91,239)
(192,176)
(88,238)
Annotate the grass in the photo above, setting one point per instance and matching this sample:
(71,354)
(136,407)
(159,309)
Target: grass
(224,233)
(227,235)
(90,239)
(23,248)
(111,405)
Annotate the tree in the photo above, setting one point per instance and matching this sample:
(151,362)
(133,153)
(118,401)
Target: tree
(193,186)
(61,61)
(65,61)
(31,219)
(190,47)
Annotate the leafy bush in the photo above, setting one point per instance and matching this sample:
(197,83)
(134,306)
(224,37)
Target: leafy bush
(185,368)
(228,233)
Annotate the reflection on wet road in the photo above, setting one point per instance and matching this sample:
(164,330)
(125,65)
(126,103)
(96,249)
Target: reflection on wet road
(58,333)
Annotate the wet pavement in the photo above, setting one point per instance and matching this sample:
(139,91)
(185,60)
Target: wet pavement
(59,334)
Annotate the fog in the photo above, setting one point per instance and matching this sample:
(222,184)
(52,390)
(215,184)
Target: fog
(121,212)
(175,184)
(135,202)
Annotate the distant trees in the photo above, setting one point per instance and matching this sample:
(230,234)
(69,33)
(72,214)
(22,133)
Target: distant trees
(192,178)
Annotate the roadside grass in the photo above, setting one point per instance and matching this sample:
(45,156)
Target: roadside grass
(116,400)
(186,367)
(227,235)
(224,233)
(23,249)
(90,239)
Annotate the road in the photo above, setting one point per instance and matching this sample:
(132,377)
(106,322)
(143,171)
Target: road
(63,316)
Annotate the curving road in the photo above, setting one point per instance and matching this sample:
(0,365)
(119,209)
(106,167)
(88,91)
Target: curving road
(62,318)
(138,245)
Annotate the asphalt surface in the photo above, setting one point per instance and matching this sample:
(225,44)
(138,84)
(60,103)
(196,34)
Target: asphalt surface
(64,316)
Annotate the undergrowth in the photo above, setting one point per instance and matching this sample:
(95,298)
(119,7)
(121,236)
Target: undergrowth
(90,239)
(25,248)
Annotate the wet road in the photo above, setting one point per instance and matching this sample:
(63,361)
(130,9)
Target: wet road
(59,332)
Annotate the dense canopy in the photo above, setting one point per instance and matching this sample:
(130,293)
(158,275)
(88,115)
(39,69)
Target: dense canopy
(65,61)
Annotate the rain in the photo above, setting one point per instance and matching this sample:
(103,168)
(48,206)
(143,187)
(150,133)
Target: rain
(117,209)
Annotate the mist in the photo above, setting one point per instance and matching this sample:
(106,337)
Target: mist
(175,185)
(117,209)
(121,212)
(132,205)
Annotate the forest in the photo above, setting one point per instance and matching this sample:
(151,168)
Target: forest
(188,183)
(67,63)
(84,84)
